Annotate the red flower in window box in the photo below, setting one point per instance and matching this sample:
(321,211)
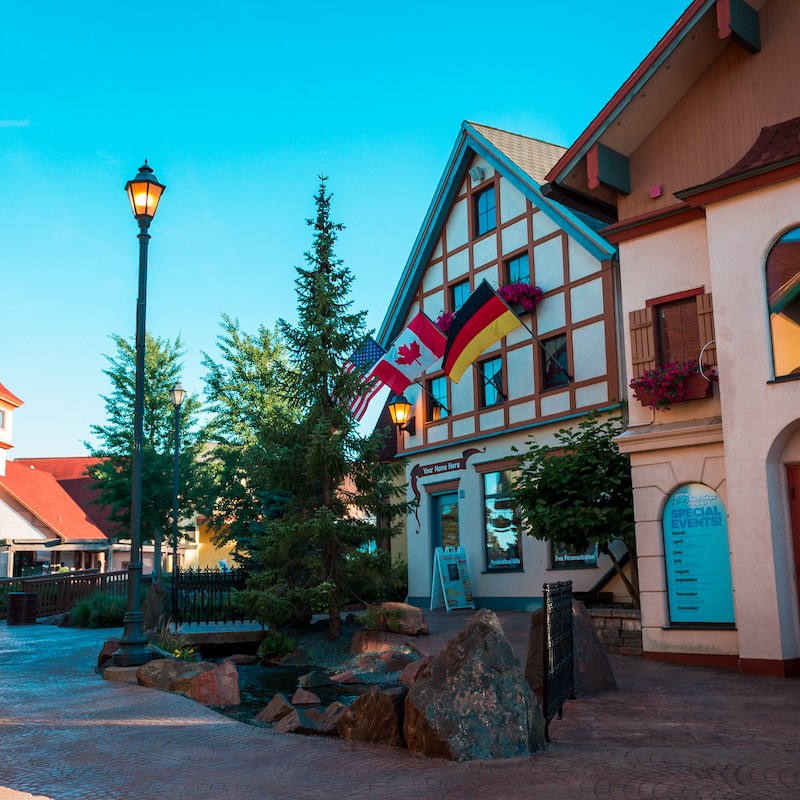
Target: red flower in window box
(522,294)
(672,383)
(444,321)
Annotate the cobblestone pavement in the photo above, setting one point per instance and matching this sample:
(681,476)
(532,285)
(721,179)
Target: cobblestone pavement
(671,732)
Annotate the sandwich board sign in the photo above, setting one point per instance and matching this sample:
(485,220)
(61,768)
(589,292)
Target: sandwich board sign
(450,584)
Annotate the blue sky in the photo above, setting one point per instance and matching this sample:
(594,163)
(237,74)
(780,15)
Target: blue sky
(239,107)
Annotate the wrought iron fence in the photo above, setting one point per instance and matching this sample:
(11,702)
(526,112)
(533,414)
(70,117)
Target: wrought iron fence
(558,653)
(206,595)
(57,594)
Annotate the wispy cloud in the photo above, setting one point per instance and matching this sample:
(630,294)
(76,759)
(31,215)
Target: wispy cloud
(14,123)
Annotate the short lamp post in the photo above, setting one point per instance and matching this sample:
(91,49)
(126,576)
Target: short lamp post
(144,193)
(178,393)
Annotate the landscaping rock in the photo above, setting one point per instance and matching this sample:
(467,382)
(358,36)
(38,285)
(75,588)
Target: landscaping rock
(375,717)
(327,721)
(345,677)
(110,646)
(394,661)
(154,607)
(376,642)
(414,670)
(297,722)
(302,697)
(218,686)
(297,658)
(242,659)
(120,674)
(160,673)
(369,662)
(472,700)
(314,679)
(277,708)
(591,668)
(398,618)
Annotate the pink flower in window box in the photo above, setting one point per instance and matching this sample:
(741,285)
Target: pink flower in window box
(672,383)
(444,321)
(522,294)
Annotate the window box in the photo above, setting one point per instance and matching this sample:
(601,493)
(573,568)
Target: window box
(672,383)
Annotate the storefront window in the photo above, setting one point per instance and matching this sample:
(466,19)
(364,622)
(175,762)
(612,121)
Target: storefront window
(502,520)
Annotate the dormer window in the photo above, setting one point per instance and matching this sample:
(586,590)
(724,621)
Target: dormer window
(485,211)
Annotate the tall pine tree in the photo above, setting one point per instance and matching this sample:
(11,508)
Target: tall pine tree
(113,476)
(329,496)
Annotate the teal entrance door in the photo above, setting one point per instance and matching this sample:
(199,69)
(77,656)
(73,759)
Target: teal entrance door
(445,520)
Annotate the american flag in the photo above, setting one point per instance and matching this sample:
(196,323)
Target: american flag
(364,358)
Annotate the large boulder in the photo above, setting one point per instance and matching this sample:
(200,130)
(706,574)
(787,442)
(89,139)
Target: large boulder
(398,618)
(472,700)
(160,673)
(375,717)
(155,607)
(414,670)
(591,668)
(314,679)
(218,686)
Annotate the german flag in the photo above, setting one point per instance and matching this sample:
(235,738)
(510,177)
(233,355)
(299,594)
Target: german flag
(483,320)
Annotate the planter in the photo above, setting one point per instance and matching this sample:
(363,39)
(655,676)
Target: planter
(696,388)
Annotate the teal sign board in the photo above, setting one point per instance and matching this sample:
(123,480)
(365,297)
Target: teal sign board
(697,556)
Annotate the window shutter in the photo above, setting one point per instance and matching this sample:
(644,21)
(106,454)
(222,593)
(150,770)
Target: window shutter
(643,351)
(705,322)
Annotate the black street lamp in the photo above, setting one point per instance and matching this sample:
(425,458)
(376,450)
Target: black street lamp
(144,192)
(177,392)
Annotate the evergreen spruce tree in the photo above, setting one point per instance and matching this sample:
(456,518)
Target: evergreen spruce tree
(113,476)
(328,495)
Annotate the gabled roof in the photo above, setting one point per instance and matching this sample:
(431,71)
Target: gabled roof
(40,494)
(523,161)
(666,74)
(70,473)
(9,398)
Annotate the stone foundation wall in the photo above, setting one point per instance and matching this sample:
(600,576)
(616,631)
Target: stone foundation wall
(619,629)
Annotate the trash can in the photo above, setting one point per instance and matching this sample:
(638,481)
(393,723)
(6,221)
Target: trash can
(22,608)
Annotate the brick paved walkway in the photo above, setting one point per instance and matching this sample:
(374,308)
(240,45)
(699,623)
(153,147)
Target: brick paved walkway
(671,732)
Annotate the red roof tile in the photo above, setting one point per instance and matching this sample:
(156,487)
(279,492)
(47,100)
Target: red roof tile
(775,144)
(11,399)
(39,492)
(70,472)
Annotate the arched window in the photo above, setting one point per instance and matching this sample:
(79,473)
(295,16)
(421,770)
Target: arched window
(783,293)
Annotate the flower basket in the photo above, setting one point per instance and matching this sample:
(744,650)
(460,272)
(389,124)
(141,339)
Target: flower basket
(672,383)
(520,296)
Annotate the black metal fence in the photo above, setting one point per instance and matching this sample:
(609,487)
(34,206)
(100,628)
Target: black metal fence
(558,656)
(206,595)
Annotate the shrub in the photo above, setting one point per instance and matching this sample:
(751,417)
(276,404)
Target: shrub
(278,644)
(176,644)
(100,610)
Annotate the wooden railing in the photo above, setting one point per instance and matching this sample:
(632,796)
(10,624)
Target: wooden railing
(58,593)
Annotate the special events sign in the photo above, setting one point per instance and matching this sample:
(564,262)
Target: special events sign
(450,583)
(697,556)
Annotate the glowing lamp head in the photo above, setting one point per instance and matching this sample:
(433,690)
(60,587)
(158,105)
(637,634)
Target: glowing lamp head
(399,410)
(144,192)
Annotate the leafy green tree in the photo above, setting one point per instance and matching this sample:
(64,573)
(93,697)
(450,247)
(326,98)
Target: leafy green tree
(325,494)
(578,492)
(248,414)
(113,476)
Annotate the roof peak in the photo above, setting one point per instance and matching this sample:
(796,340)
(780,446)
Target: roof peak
(513,133)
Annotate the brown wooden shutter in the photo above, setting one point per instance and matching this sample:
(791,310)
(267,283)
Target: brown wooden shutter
(643,351)
(705,322)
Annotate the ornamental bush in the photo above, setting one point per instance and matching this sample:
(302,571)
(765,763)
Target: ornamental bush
(667,383)
(99,610)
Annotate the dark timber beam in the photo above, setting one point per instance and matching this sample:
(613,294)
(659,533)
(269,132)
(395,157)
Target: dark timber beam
(738,22)
(608,168)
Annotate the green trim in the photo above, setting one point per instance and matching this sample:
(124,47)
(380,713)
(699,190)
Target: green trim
(528,603)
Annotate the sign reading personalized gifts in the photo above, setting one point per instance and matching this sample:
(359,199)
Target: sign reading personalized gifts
(450,583)
(697,556)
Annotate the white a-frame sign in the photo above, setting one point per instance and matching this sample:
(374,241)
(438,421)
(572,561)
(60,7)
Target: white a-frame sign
(450,584)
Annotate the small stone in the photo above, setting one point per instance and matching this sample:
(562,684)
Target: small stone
(314,679)
(394,661)
(369,662)
(345,677)
(275,710)
(327,721)
(302,697)
(242,659)
(110,646)
(120,674)
(414,670)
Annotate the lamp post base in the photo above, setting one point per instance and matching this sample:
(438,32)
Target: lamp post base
(133,650)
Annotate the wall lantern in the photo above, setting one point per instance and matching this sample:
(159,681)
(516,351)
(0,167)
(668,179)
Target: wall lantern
(400,411)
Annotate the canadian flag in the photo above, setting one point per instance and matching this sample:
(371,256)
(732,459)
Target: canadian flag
(419,345)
